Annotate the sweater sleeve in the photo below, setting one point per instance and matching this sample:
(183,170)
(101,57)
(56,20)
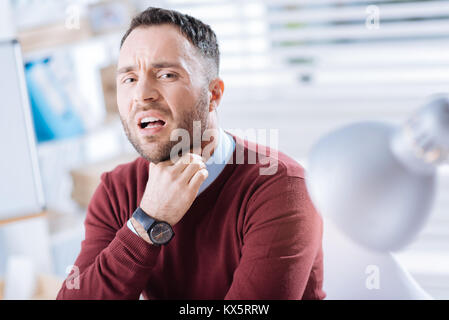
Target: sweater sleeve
(281,257)
(114,263)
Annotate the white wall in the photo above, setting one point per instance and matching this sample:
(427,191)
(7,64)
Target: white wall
(7,28)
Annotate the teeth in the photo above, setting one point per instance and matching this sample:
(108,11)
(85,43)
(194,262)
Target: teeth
(153,126)
(149,119)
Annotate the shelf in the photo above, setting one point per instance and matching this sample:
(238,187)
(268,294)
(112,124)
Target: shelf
(53,35)
(22,218)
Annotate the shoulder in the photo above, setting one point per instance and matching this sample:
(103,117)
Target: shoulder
(273,195)
(267,177)
(263,164)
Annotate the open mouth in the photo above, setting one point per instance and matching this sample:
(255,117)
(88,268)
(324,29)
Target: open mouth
(150,122)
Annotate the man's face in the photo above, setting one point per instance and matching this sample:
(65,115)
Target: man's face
(160,76)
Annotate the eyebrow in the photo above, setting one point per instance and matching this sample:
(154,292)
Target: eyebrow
(157,65)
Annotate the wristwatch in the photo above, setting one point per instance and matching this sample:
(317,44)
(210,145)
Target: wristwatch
(160,232)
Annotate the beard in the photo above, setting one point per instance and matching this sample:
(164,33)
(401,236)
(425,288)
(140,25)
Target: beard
(161,151)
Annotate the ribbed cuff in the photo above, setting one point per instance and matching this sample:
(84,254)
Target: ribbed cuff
(131,248)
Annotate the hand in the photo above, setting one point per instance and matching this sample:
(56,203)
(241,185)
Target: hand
(172,188)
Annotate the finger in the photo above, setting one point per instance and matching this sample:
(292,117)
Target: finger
(184,161)
(199,177)
(181,164)
(191,169)
(150,168)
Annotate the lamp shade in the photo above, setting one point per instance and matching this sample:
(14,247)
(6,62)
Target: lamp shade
(376,181)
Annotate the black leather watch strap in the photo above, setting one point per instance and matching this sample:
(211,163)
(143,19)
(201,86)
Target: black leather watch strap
(145,220)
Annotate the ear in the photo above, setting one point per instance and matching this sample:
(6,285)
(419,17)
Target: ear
(216,89)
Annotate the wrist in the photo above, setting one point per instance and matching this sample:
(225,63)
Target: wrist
(140,230)
(154,231)
(159,217)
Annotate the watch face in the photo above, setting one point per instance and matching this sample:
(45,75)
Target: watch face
(161,233)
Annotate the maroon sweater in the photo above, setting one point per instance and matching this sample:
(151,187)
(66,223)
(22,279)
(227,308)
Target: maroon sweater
(247,236)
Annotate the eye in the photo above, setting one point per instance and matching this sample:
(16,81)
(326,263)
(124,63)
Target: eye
(169,76)
(129,80)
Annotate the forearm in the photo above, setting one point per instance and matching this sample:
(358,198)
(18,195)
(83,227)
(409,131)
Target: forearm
(119,271)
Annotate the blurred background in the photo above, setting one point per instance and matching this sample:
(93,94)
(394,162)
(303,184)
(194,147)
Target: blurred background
(301,67)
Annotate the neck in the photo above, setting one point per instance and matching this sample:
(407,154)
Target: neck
(212,136)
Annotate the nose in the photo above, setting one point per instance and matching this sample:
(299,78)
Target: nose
(145,92)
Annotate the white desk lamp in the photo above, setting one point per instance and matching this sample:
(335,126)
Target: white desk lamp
(376,181)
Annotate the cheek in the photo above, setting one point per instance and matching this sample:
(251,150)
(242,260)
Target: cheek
(124,102)
(181,101)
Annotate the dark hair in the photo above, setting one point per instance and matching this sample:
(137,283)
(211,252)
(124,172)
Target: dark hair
(198,33)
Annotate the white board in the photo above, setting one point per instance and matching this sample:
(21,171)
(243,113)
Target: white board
(20,183)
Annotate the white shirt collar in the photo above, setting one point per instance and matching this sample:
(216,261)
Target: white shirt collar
(218,160)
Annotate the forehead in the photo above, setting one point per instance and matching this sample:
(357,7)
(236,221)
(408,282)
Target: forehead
(155,43)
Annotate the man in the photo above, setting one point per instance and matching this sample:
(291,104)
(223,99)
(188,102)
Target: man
(205,225)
